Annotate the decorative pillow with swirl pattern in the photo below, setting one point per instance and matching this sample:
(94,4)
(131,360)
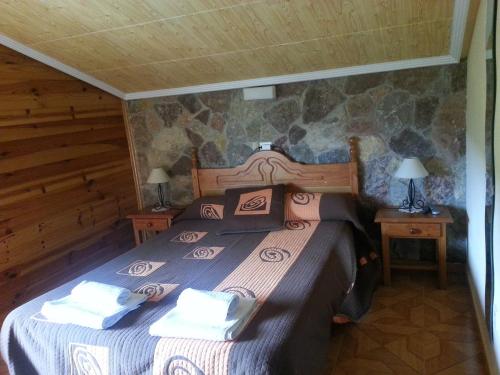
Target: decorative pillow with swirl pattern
(208,208)
(253,209)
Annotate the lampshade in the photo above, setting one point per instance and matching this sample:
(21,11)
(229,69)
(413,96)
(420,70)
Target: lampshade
(157,176)
(411,168)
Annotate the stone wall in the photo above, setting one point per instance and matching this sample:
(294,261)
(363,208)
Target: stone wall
(417,112)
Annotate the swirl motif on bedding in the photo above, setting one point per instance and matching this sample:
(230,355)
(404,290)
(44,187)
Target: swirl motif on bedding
(239,291)
(140,268)
(188,237)
(180,365)
(297,224)
(204,252)
(255,203)
(212,211)
(274,254)
(302,206)
(302,198)
(84,362)
(88,359)
(156,291)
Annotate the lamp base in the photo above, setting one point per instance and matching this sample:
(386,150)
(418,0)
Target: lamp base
(159,209)
(161,205)
(412,210)
(410,204)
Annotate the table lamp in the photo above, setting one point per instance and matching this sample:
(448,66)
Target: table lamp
(158,176)
(411,168)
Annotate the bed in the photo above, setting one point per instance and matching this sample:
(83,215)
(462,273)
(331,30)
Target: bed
(302,276)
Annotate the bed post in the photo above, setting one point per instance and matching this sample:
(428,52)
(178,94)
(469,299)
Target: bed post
(353,152)
(194,173)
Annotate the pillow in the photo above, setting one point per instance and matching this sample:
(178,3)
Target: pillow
(330,206)
(253,209)
(320,206)
(209,208)
(302,206)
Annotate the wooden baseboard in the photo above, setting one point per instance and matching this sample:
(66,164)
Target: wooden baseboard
(483,330)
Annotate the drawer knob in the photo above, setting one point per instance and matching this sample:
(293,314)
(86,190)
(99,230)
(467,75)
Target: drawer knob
(149,225)
(414,230)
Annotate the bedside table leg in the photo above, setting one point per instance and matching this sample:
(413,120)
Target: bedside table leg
(386,255)
(137,236)
(441,242)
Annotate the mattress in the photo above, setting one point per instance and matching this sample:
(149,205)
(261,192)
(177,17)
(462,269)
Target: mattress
(301,277)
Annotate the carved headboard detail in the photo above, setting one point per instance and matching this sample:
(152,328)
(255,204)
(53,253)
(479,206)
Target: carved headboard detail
(271,167)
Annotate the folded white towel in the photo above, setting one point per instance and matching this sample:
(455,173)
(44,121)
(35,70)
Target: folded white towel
(92,292)
(69,310)
(207,306)
(175,324)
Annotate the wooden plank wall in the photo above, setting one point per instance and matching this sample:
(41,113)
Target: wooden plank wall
(65,178)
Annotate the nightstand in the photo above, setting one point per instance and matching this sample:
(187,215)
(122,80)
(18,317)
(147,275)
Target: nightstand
(146,221)
(397,224)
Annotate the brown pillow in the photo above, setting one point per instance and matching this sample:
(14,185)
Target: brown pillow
(253,209)
(208,208)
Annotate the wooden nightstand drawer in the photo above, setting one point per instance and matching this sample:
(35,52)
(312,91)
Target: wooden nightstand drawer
(152,224)
(146,222)
(413,230)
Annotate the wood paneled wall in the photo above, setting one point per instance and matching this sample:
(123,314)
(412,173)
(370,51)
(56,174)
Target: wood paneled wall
(65,178)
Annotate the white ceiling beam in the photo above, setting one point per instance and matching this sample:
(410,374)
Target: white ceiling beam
(460,13)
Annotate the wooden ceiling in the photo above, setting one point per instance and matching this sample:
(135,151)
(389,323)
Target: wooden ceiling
(159,44)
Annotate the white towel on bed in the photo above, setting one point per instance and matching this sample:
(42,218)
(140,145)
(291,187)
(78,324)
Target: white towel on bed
(70,310)
(175,324)
(205,306)
(92,292)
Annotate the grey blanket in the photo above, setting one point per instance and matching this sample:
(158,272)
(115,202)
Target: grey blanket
(301,276)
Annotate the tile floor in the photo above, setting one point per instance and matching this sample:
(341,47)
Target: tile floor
(412,328)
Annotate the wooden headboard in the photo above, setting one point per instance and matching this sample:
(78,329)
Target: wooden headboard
(271,168)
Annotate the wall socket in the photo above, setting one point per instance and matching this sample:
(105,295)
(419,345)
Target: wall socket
(265,146)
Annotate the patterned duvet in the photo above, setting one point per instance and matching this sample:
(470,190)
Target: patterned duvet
(301,276)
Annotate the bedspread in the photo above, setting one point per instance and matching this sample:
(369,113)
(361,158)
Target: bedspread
(301,276)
